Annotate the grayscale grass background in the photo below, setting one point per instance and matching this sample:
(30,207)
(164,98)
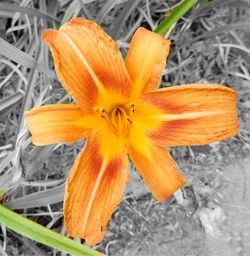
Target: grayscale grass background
(211,215)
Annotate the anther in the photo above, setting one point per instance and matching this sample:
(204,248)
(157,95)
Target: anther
(132,109)
(129,121)
(104,113)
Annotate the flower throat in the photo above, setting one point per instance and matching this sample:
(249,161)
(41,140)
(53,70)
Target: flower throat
(118,118)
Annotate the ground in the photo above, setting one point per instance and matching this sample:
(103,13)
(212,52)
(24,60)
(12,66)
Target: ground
(210,215)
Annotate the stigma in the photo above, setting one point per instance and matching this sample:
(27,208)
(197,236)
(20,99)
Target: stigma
(118,118)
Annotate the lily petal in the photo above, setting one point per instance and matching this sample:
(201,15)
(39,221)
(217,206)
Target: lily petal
(58,123)
(94,189)
(87,62)
(156,166)
(191,114)
(146,60)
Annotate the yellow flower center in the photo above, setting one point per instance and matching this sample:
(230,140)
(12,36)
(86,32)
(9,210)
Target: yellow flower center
(118,118)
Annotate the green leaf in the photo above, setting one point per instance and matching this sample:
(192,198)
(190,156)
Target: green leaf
(176,14)
(37,232)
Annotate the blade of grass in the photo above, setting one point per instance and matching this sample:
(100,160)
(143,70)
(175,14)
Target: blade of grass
(85,11)
(17,15)
(37,232)
(236,46)
(42,183)
(40,155)
(15,69)
(31,245)
(119,21)
(176,14)
(10,178)
(10,101)
(13,53)
(239,4)
(37,199)
(72,11)
(25,105)
(222,29)
(27,98)
(13,8)
(105,9)
(2,251)
(7,103)
(206,7)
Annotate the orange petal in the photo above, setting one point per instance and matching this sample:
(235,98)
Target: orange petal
(156,166)
(87,61)
(146,60)
(94,189)
(58,123)
(191,114)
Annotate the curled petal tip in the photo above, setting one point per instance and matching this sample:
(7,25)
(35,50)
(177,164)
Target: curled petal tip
(49,35)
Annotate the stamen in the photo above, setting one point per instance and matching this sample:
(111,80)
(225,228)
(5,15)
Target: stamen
(102,111)
(104,114)
(132,109)
(119,118)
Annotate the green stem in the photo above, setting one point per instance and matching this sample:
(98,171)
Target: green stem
(2,192)
(43,235)
(176,14)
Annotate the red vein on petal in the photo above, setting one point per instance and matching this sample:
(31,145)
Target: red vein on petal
(85,63)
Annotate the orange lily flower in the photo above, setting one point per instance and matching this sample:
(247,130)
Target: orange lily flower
(121,112)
